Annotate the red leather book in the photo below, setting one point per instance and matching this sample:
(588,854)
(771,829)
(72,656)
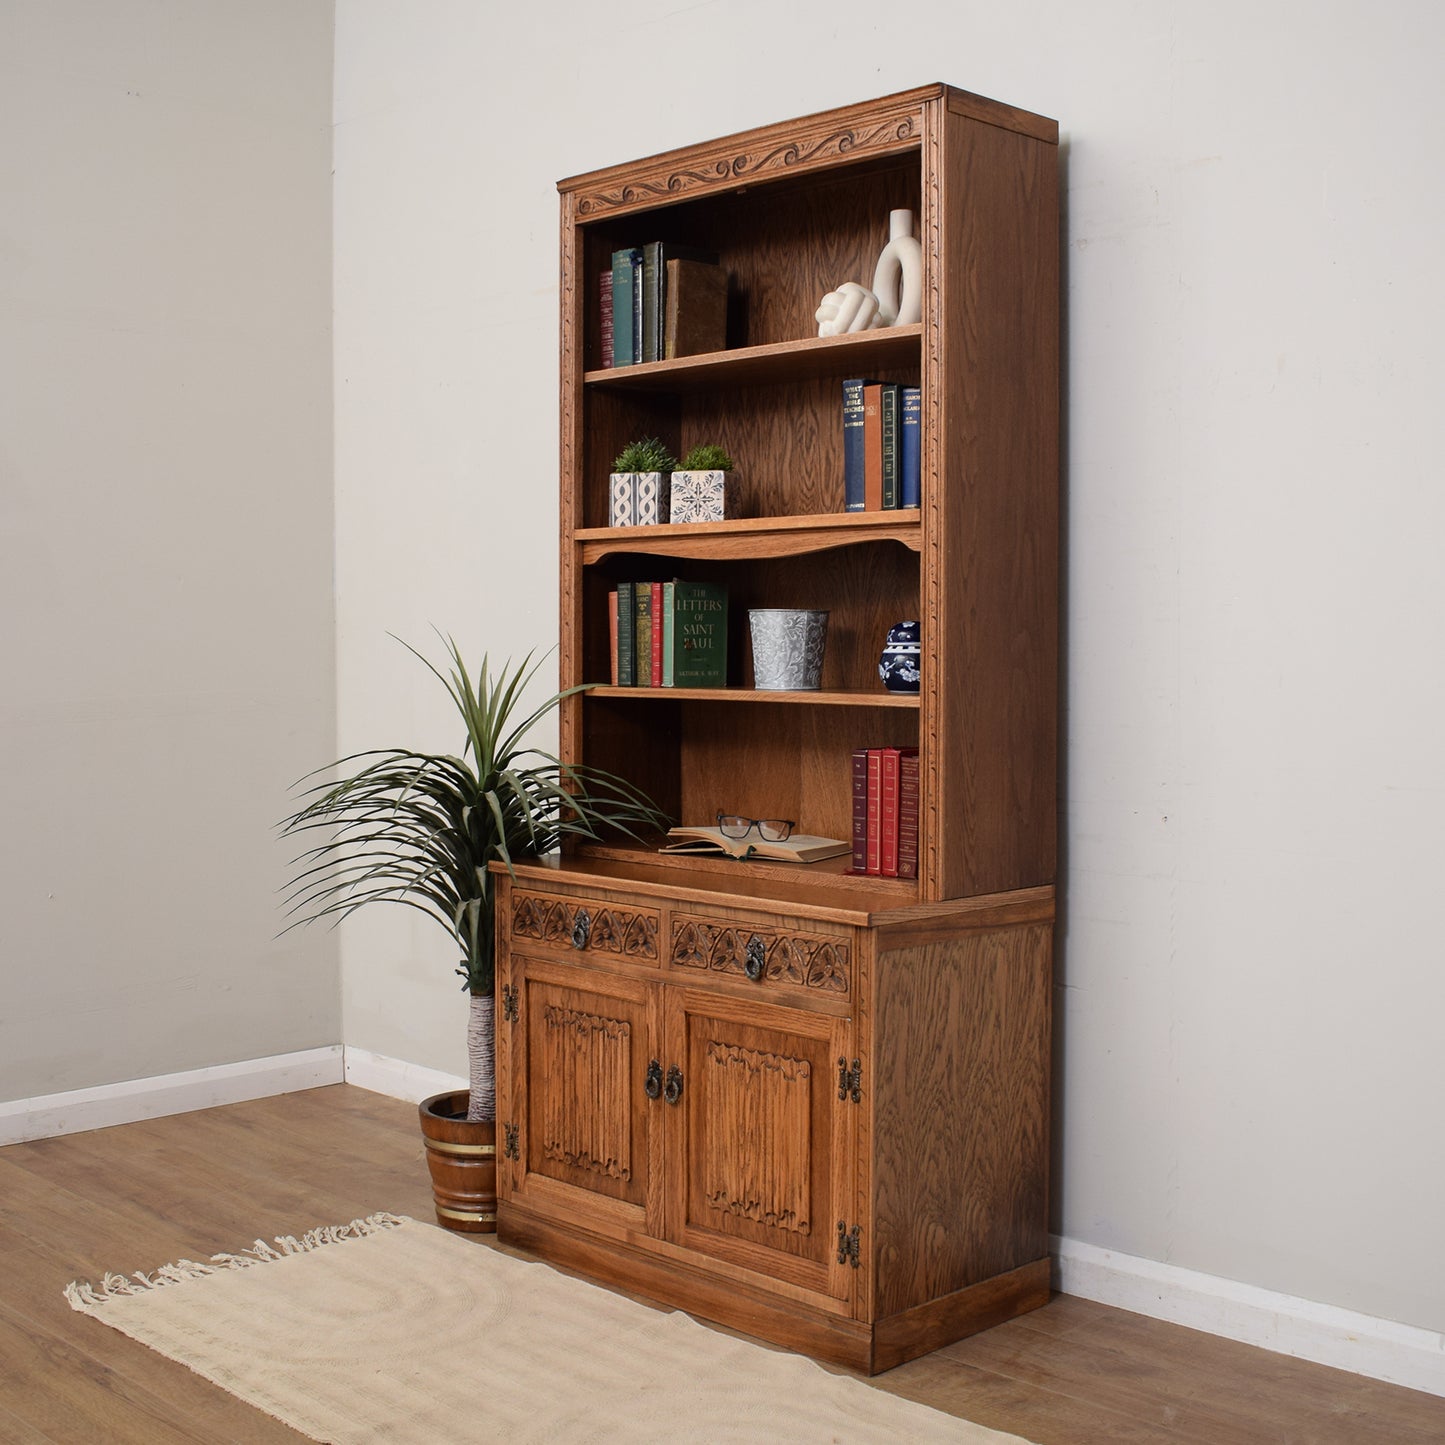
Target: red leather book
(656,661)
(860,810)
(888,821)
(875,811)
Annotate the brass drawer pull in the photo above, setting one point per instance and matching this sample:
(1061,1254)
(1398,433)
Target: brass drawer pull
(581,928)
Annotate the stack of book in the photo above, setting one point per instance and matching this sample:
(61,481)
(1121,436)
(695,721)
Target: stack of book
(881,421)
(662,300)
(885,812)
(668,634)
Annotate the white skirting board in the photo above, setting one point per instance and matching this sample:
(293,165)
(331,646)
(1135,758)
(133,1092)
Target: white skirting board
(126,1103)
(397,1080)
(1400,1354)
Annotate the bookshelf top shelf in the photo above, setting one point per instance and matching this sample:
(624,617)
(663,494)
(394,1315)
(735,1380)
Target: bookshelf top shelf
(810,356)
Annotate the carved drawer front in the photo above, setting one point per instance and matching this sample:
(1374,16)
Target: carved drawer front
(586,926)
(818,963)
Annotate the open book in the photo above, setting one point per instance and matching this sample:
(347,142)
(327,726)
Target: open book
(800,848)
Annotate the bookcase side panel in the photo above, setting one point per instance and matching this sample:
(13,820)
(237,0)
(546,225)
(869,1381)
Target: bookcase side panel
(991,559)
(960,1112)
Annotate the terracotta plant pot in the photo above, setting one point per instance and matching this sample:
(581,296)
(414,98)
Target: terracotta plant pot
(462,1158)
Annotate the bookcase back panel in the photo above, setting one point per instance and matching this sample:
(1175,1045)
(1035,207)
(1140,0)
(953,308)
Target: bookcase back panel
(781,760)
(611,420)
(784,243)
(865,589)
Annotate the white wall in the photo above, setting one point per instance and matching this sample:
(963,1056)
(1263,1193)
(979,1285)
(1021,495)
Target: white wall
(165,530)
(1250,986)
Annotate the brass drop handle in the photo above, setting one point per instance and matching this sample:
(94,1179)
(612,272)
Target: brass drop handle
(652,1084)
(581,928)
(756,960)
(673,1091)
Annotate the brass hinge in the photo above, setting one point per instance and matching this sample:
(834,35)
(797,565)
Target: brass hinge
(849,1250)
(850,1081)
(509,1003)
(510,1150)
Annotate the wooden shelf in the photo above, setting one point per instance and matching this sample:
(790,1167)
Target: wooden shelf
(754,536)
(856,354)
(748,694)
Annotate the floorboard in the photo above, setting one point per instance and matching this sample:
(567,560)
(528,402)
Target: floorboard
(140,1195)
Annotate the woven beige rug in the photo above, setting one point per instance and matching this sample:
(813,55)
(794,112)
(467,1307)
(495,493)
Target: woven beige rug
(389,1330)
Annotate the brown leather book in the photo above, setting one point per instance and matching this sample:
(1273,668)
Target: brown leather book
(873,447)
(696,309)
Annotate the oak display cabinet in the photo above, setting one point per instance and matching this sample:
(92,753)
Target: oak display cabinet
(810,1105)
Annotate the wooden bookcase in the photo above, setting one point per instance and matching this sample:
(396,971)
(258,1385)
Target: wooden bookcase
(807,1104)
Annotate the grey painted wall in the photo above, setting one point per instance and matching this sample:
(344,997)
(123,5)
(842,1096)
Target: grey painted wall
(167,644)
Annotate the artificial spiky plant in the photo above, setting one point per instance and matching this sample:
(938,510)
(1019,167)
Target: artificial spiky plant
(420,829)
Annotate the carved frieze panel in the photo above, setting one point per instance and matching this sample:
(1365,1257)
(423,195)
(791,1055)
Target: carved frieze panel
(812,961)
(805,148)
(623,932)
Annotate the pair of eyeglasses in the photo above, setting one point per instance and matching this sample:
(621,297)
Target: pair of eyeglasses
(771,830)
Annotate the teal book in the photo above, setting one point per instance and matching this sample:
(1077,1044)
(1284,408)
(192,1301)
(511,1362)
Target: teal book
(890,445)
(699,634)
(626,635)
(626,302)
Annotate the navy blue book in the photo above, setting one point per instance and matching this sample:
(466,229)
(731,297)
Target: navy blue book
(853,451)
(626,306)
(910,444)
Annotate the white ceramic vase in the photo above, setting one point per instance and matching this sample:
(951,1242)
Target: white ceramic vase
(901,260)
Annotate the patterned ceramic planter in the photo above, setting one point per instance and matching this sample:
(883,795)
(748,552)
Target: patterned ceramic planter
(638,499)
(787,648)
(699,497)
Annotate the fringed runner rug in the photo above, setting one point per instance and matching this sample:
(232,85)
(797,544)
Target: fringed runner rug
(390,1330)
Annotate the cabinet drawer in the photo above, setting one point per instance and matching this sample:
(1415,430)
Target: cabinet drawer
(586,925)
(820,964)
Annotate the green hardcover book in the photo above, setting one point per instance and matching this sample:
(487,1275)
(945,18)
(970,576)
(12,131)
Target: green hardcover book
(699,634)
(642,642)
(890,445)
(626,634)
(669,633)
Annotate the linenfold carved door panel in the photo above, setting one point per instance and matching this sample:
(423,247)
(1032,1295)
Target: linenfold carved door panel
(582,1044)
(759,1146)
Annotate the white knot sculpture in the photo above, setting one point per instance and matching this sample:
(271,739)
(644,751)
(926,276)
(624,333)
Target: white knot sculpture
(850,308)
(855,308)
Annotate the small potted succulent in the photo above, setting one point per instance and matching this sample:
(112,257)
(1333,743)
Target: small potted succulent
(699,486)
(640,484)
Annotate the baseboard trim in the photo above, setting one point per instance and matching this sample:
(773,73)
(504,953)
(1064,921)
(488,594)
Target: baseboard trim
(397,1079)
(1382,1349)
(50,1115)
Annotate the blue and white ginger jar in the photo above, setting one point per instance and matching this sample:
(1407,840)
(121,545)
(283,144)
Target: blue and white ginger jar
(898,667)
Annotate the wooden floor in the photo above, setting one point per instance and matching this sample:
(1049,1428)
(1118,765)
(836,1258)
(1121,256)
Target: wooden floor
(141,1195)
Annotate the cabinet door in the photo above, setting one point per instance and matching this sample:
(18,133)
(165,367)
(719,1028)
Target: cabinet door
(759,1146)
(580,1046)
